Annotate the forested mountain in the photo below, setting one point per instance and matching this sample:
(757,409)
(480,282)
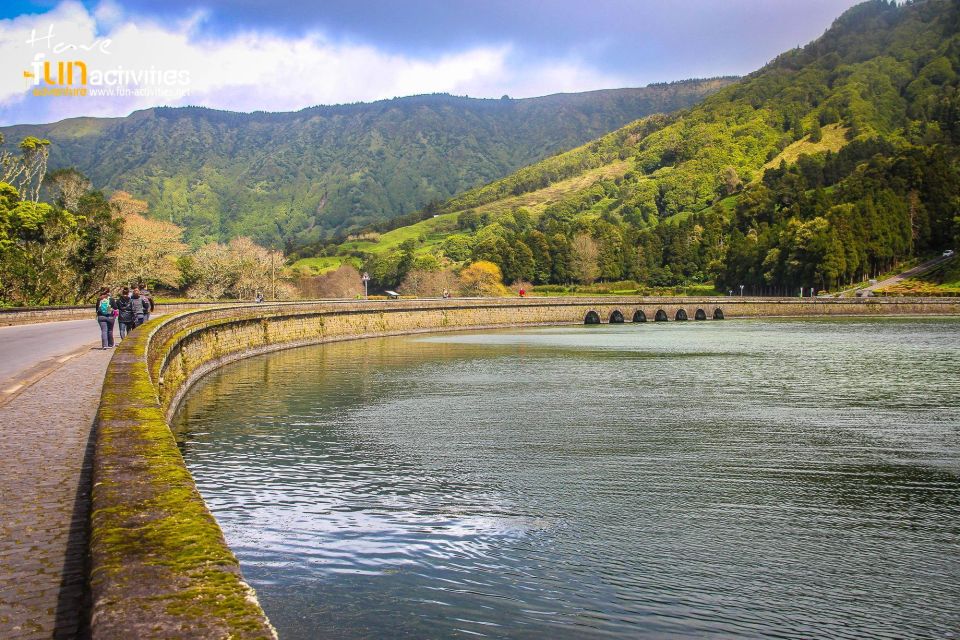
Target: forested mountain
(299,177)
(828,165)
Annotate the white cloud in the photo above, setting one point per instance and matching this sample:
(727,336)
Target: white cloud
(251,71)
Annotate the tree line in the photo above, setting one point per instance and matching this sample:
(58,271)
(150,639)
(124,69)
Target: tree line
(61,240)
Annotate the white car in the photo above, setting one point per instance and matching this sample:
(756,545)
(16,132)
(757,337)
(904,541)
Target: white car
(948,253)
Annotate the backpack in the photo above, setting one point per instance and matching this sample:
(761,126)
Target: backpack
(103,308)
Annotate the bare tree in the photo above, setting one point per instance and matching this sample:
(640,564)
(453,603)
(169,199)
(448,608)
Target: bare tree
(344,282)
(585,253)
(126,205)
(28,169)
(429,283)
(67,187)
(212,265)
(148,252)
(35,154)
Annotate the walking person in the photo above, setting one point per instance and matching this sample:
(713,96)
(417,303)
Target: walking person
(138,304)
(125,313)
(147,303)
(105,318)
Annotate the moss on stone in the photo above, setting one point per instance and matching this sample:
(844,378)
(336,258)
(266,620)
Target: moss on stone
(156,548)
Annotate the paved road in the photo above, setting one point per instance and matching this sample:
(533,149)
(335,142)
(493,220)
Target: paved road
(46,441)
(29,349)
(909,273)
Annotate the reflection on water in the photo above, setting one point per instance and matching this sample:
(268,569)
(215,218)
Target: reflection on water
(743,478)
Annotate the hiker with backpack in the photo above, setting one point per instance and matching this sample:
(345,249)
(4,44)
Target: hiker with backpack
(105,317)
(125,313)
(139,305)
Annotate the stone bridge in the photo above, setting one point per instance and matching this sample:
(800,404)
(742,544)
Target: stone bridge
(159,564)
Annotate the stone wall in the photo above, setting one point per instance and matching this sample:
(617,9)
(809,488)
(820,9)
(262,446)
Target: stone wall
(34,315)
(160,566)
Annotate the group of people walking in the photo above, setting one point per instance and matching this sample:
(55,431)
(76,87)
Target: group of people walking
(130,309)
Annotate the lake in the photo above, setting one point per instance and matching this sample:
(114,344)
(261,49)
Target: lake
(778,478)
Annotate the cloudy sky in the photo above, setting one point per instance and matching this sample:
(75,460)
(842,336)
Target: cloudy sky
(280,55)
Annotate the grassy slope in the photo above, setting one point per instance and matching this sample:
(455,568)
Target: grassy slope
(436,229)
(323,264)
(834,138)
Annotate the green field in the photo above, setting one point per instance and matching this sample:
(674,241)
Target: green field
(834,138)
(434,230)
(323,264)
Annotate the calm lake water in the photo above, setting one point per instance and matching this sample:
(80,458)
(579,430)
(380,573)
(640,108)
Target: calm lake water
(752,478)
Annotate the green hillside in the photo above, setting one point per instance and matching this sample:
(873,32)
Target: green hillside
(297,178)
(830,164)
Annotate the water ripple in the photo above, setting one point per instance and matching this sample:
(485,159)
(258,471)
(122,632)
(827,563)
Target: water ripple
(772,478)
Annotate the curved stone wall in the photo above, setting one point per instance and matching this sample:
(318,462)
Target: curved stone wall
(160,567)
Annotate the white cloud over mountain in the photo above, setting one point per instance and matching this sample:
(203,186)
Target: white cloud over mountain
(248,70)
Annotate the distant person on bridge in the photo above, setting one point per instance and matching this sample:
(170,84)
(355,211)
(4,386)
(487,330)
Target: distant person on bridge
(105,317)
(139,305)
(148,305)
(125,313)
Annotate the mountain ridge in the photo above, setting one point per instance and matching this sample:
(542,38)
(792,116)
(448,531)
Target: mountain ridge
(305,175)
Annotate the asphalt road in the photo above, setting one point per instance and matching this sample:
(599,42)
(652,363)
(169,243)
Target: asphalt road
(910,273)
(27,350)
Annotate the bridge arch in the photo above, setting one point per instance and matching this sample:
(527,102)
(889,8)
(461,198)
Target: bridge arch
(592,317)
(681,315)
(718,314)
(639,316)
(661,316)
(616,317)
(700,315)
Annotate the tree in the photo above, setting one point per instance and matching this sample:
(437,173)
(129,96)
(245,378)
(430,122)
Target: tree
(584,259)
(212,268)
(522,264)
(27,170)
(67,186)
(457,247)
(254,269)
(816,133)
(100,233)
(39,244)
(561,259)
(126,205)
(540,248)
(147,252)
(730,182)
(482,278)
(428,283)
(343,283)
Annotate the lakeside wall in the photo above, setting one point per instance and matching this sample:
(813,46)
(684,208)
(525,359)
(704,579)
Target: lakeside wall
(34,315)
(160,567)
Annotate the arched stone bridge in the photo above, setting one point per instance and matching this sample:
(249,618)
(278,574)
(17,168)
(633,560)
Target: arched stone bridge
(663,313)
